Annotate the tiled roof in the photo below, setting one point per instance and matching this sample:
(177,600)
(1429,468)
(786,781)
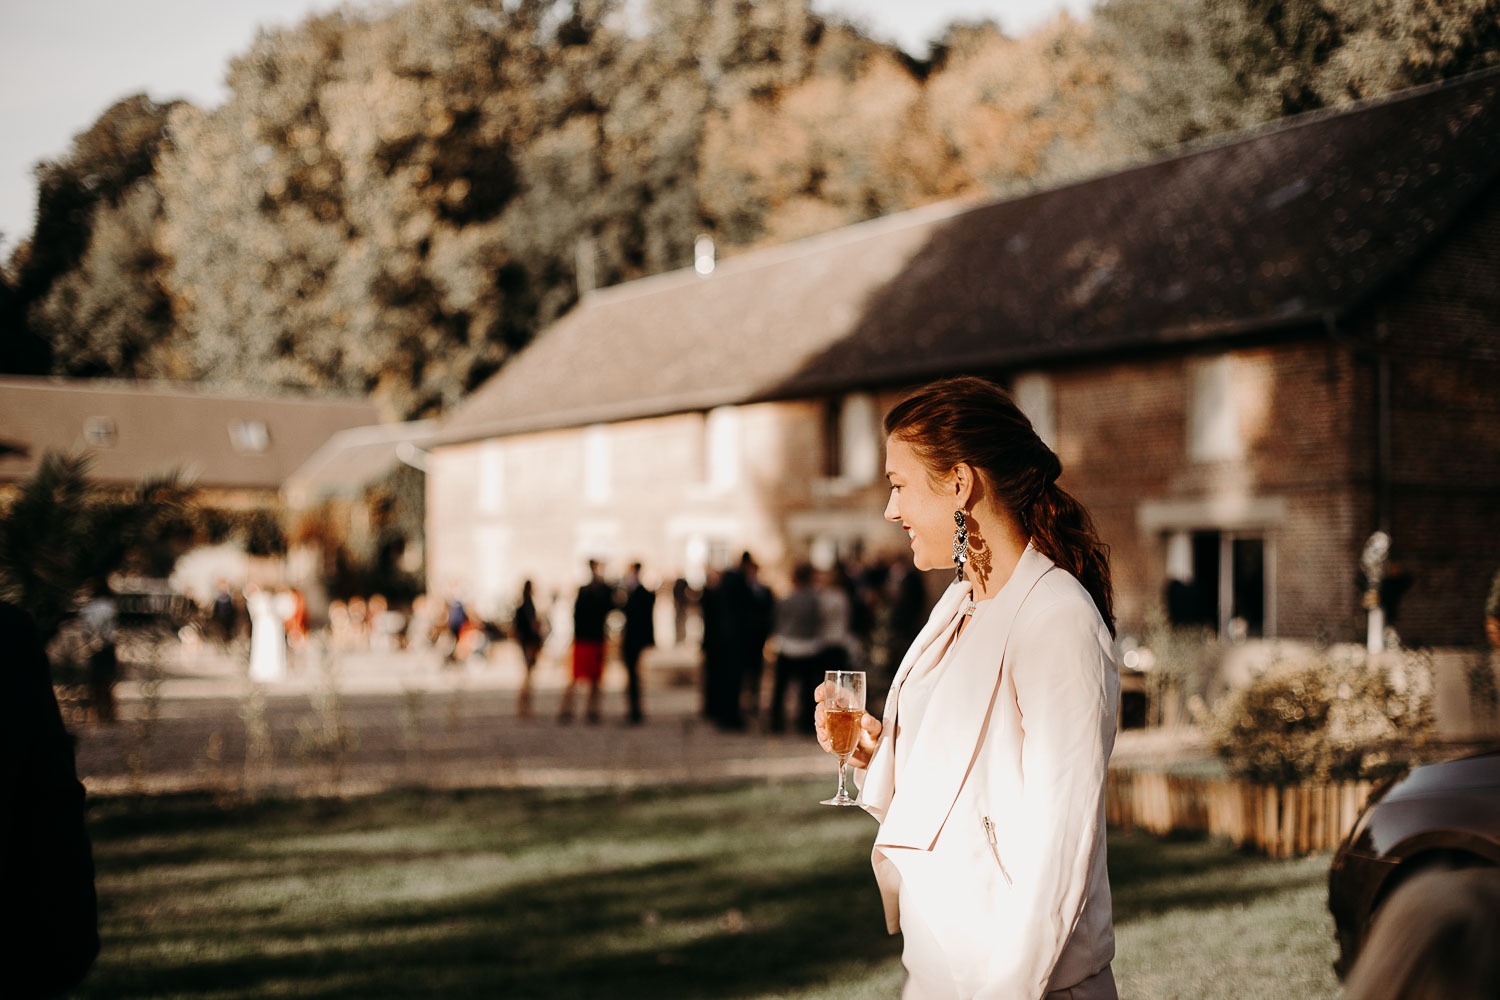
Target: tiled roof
(351,459)
(1284,226)
(134,429)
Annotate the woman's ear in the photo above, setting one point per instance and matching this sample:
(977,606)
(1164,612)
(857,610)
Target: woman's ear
(961,483)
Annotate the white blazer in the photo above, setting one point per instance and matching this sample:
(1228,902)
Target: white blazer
(996,829)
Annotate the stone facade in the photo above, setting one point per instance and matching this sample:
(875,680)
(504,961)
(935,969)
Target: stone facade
(685,494)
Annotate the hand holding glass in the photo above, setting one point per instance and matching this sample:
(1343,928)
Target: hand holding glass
(844,716)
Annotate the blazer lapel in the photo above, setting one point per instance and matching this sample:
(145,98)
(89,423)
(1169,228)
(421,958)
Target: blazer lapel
(941,757)
(880,777)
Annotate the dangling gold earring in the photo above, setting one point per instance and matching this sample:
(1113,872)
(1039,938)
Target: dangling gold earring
(961,554)
(960,543)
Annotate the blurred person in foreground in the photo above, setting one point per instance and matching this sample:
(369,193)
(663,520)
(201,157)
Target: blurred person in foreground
(987,774)
(1436,938)
(47,866)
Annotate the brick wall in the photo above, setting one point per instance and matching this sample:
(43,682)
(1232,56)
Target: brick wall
(1123,439)
(1441,329)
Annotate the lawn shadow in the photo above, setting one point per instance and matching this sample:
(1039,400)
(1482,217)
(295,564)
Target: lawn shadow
(1150,875)
(697,903)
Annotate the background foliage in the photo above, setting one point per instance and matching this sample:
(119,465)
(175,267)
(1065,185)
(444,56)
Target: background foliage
(395,202)
(1337,717)
(60,534)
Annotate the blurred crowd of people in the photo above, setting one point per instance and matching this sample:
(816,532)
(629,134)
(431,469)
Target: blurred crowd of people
(758,648)
(850,616)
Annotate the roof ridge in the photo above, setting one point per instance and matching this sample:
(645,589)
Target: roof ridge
(779,253)
(168,387)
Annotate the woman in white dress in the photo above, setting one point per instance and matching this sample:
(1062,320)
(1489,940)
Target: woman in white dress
(267,636)
(987,772)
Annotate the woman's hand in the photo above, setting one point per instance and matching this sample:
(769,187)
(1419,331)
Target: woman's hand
(869,737)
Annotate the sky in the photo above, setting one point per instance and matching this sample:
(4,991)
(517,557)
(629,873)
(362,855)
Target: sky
(62,62)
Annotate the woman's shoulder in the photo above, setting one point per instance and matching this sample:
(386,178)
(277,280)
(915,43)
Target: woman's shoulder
(1059,600)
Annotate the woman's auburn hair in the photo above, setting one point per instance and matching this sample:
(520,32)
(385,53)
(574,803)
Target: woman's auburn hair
(973,421)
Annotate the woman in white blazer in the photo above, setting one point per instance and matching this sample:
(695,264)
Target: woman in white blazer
(987,772)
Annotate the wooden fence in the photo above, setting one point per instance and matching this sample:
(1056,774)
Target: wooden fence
(1282,821)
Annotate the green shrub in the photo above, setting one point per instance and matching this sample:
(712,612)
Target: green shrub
(1332,718)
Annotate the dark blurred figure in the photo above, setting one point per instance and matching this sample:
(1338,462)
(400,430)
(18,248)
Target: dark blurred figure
(1436,938)
(761,618)
(100,618)
(590,613)
(527,625)
(224,615)
(640,634)
(455,617)
(798,622)
(908,612)
(682,600)
(736,622)
(48,866)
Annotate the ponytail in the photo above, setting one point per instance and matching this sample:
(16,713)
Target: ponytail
(1062,530)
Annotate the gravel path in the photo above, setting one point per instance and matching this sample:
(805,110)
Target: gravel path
(368,721)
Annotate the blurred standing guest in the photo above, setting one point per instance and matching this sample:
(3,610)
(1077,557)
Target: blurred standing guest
(267,637)
(798,645)
(385,625)
(640,633)
(761,617)
(711,643)
(100,618)
(292,608)
(590,614)
(682,596)
(473,645)
(850,577)
(1436,938)
(420,625)
(359,622)
(46,861)
(836,639)
(224,616)
(454,616)
(338,625)
(907,613)
(529,634)
(731,627)
(375,609)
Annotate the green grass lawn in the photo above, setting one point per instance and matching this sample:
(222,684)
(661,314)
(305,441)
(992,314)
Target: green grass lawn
(750,891)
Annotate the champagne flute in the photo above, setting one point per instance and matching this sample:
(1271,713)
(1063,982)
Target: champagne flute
(844,714)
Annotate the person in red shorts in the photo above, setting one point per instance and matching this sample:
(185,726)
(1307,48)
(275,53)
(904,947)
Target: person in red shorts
(590,610)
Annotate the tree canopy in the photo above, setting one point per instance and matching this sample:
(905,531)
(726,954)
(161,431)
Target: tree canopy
(394,203)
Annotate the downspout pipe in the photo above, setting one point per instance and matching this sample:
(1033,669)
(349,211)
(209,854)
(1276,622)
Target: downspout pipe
(1381,423)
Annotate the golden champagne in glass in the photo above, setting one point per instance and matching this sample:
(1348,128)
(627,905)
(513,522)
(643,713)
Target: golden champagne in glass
(844,715)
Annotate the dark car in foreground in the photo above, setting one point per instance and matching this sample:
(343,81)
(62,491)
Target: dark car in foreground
(1444,815)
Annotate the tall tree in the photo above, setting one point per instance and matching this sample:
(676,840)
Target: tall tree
(1203,67)
(86,287)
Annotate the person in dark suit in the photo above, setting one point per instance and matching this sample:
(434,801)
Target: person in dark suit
(47,864)
(640,633)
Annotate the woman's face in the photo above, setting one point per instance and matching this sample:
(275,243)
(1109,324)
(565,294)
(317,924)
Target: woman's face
(923,509)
